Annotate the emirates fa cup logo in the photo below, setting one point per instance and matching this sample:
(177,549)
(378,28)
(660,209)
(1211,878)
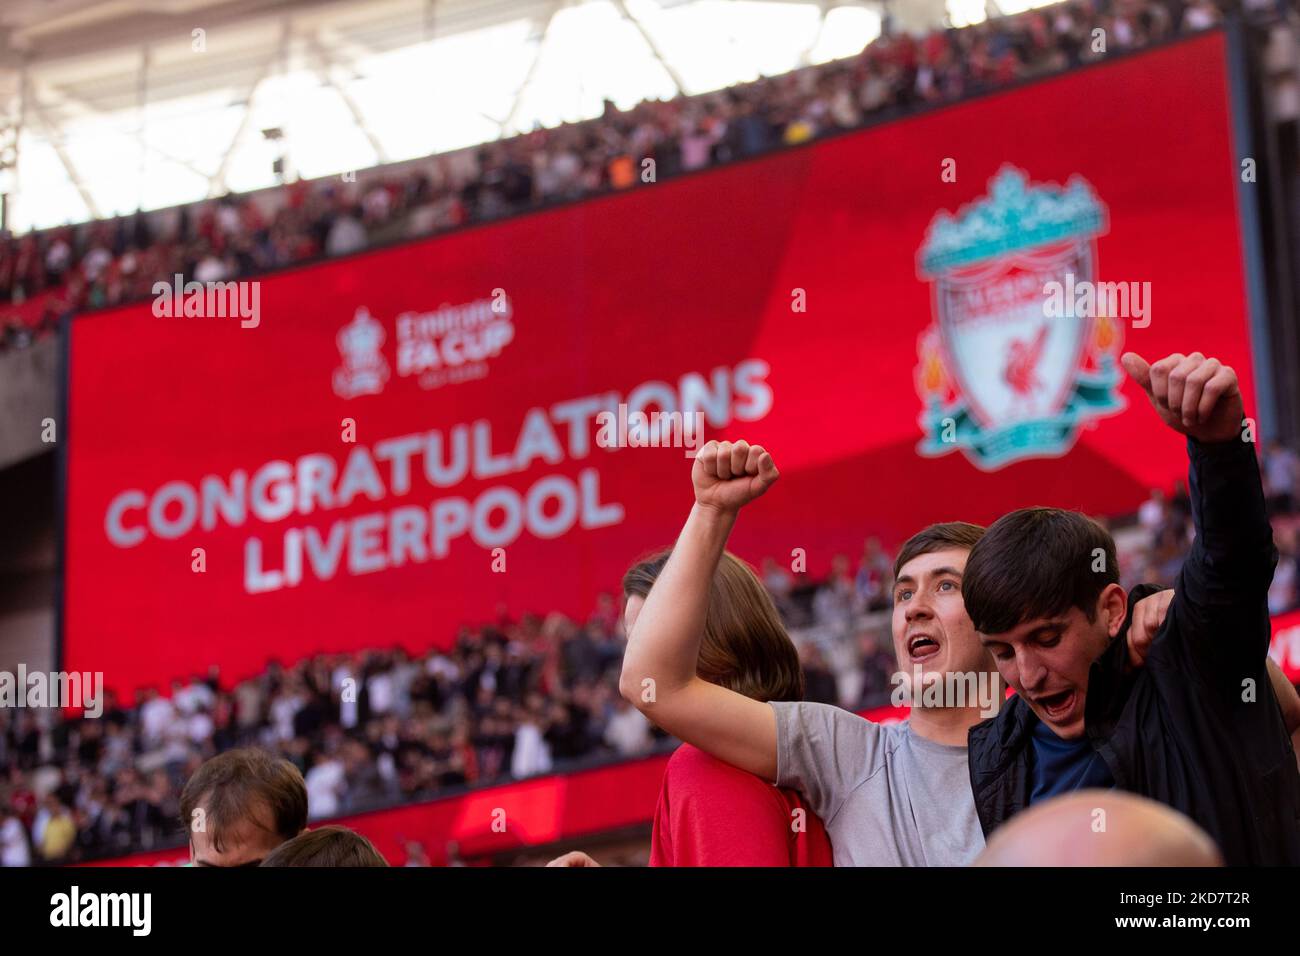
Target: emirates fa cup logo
(364,370)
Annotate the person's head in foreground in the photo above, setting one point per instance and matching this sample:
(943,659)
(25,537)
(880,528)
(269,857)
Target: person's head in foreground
(326,846)
(1100,828)
(1042,590)
(930,626)
(241,805)
(745,647)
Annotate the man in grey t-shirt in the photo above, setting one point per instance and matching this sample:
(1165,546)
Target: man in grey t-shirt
(900,794)
(887,796)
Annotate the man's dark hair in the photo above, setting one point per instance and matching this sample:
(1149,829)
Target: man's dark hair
(938,537)
(235,785)
(326,846)
(1034,563)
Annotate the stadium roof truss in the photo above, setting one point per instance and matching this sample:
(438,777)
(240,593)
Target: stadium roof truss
(108,106)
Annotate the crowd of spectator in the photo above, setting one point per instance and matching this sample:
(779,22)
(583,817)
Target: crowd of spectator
(1166,530)
(510,700)
(108,262)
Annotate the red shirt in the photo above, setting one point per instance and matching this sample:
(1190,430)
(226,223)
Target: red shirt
(711,814)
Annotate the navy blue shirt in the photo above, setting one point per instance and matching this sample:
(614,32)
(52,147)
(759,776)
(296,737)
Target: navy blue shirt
(1063,766)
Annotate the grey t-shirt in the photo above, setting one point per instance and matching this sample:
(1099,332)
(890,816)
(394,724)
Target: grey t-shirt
(887,796)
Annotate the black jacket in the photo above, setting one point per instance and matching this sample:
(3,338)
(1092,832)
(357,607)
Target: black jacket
(1178,730)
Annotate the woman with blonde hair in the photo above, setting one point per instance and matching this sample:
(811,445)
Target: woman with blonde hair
(709,812)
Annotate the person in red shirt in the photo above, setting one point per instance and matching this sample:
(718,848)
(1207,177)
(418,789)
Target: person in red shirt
(709,812)
(712,814)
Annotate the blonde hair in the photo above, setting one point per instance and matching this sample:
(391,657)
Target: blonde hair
(745,646)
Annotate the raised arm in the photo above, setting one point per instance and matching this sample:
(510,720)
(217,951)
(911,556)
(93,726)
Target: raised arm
(1221,605)
(659,666)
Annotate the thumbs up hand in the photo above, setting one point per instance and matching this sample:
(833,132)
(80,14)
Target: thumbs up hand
(1195,395)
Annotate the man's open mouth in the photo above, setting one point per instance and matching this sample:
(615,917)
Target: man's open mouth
(921,647)
(1056,705)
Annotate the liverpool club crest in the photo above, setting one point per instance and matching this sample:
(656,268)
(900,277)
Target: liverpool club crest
(1001,376)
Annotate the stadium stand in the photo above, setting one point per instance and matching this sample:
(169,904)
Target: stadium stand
(44,275)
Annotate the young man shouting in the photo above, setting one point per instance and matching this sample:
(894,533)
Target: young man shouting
(1198,727)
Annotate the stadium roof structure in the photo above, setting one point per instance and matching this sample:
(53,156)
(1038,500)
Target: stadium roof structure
(108,106)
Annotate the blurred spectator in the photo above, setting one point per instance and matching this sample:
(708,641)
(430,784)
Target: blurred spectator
(326,783)
(877,666)
(875,574)
(532,754)
(780,585)
(416,854)
(819,683)
(14,850)
(54,830)
(1153,513)
(1281,473)
(1200,15)
(836,602)
(346,234)
(628,732)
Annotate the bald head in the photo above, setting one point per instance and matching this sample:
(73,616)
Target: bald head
(1100,828)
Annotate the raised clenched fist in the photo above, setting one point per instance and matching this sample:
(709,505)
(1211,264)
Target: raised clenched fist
(728,475)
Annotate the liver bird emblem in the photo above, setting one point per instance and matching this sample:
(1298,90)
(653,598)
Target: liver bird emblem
(1021,368)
